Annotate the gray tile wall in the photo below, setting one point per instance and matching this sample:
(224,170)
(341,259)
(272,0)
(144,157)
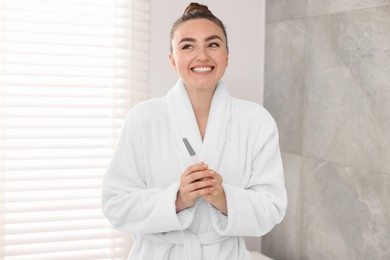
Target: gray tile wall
(327,83)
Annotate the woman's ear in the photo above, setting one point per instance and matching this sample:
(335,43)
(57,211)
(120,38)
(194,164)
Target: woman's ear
(227,58)
(172,60)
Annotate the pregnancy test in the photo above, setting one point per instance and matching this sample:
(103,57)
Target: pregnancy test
(191,151)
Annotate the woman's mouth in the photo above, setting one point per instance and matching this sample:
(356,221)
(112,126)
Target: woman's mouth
(202,69)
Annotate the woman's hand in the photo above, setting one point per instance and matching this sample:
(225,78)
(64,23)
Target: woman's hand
(194,183)
(199,181)
(217,197)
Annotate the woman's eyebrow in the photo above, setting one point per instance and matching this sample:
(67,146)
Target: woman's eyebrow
(213,37)
(187,39)
(210,38)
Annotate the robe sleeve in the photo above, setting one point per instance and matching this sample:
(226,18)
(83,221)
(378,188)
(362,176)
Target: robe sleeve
(255,209)
(127,202)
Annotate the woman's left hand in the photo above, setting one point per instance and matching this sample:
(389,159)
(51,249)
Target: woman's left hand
(217,197)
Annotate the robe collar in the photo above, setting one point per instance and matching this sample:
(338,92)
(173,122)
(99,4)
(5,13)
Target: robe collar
(183,123)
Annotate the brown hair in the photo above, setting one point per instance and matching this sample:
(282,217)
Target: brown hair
(197,11)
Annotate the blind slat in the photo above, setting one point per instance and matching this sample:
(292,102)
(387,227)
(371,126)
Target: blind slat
(61,174)
(59,7)
(92,254)
(51,195)
(38,227)
(62,60)
(58,71)
(62,246)
(43,206)
(64,184)
(39,134)
(52,216)
(59,236)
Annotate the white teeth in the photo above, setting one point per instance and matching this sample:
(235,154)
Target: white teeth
(201,69)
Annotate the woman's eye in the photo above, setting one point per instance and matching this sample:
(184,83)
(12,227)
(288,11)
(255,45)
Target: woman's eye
(214,45)
(187,46)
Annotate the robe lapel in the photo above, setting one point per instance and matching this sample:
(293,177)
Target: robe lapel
(183,123)
(217,128)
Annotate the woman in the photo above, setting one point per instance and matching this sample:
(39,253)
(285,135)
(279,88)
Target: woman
(178,209)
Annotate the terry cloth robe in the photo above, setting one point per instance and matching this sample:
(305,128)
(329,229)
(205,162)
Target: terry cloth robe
(142,180)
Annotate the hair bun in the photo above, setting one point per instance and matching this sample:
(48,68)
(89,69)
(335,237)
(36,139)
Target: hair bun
(195,8)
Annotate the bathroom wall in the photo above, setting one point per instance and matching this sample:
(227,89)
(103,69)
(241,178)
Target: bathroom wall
(327,83)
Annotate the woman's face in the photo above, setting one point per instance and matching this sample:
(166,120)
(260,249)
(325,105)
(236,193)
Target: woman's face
(199,54)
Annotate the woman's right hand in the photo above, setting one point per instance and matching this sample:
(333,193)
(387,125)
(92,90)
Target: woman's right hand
(195,182)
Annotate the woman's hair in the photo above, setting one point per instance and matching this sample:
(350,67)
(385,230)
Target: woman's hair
(197,11)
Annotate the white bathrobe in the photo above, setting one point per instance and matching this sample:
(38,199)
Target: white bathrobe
(142,181)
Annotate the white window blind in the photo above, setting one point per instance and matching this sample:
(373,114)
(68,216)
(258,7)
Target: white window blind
(69,71)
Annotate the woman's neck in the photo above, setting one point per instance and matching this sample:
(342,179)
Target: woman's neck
(201,103)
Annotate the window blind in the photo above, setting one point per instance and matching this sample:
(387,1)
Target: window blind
(69,72)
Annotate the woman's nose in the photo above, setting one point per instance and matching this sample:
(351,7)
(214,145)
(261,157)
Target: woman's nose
(203,54)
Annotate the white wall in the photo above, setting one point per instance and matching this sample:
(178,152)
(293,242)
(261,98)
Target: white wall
(245,23)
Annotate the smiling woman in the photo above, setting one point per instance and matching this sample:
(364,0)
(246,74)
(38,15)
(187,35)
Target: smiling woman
(66,80)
